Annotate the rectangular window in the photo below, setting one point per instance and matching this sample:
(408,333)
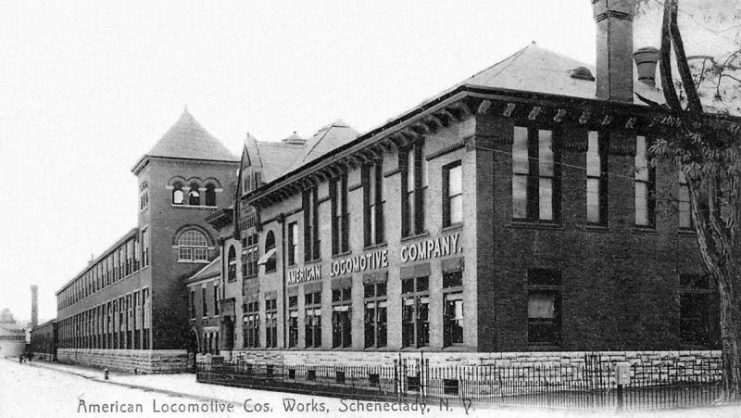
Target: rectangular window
(342,317)
(536,172)
(145,248)
(313,319)
(204,302)
(695,324)
(544,307)
(216,300)
(452,305)
(250,256)
(193,304)
(452,194)
(372,178)
(415,311)
(311,224)
(376,307)
(271,323)
(685,208)
(597,152)
(340,217)
(413,167)
(645,186)
(251,325)
(293,321)
(292,243)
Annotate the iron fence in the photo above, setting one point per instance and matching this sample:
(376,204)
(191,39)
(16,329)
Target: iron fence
(591,384)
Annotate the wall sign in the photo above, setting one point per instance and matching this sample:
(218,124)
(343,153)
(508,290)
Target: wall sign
(305,274)
(430,248)
(369,261)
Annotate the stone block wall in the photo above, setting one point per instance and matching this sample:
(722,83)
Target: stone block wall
(144,361)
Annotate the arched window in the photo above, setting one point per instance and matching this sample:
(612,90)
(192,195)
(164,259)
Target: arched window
(232,261)
(210,195)
(177,194)
(194,198)
(192,246)
(269,257)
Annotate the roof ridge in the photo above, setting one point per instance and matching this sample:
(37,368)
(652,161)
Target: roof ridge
(513,57)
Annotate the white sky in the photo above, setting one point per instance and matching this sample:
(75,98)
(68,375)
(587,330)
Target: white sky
(86,88)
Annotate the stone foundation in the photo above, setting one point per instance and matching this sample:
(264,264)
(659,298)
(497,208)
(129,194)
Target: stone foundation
(43,356)
(144,361)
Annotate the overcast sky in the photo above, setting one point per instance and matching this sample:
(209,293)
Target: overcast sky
(86,88)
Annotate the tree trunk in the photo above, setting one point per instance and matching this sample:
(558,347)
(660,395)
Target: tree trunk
(730,327)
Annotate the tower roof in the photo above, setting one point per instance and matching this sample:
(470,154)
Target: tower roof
(188,139)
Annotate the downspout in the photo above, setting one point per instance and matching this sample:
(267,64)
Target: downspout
(282,221)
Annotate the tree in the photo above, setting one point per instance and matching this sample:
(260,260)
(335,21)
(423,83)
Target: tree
(704,139)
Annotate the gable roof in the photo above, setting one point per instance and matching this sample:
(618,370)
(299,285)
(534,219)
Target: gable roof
(277,158)
(326,139)
(209,271)
(188,139)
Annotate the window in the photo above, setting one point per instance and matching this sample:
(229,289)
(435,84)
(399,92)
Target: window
(597,178)
(292,243)
(695,324)
(313,318)
(210,195)
(143,196)
(204,302)
(413,168)
(192,304)
(246,183)
(342,316)
(340,217)
(452,194)
(216,300)
(293,321)
(310,206)
(535,176)
(271,323)
(685,208)
(177,194)
(544,307)
(192,246)
(250,256)
(270,258)
(453,302)
(232,264)
(376,308)
(415,311)
(194,197)
(251,324)
(645,186)
(372,179)
(145,249)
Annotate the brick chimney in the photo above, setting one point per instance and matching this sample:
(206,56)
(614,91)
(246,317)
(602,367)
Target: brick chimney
(614,49)
(646,60)
(34,306)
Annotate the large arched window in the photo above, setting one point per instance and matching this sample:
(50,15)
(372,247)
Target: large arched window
(232,264)
(177,194)
(269,259)
(194,197)
(192,246)
(210,195)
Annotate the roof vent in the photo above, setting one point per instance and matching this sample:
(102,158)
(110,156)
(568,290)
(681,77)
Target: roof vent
(581,73)
(294,139)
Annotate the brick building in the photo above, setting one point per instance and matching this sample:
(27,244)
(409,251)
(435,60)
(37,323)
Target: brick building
(515,212)
(127,308)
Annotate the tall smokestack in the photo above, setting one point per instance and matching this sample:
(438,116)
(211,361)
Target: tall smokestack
(34,306)
(614,49)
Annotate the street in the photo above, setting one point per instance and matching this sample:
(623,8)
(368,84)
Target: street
(51,390)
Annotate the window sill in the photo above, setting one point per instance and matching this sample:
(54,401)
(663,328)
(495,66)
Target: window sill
(194,207)
(375,246)
(314,261)
(424,234)
(535,225)
(597,228)
(688,232)
(343,254)
(456,347)
(649,230)
(454,227)
(544,347)
(423,348)
(193,261)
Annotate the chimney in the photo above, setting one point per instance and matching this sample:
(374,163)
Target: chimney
(614,49)
(34,306)
(646,60)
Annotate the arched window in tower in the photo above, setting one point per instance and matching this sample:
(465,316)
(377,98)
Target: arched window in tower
(232,262)
(210,195)
(269,258)
(192,246)
(194,197)
(177,194)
